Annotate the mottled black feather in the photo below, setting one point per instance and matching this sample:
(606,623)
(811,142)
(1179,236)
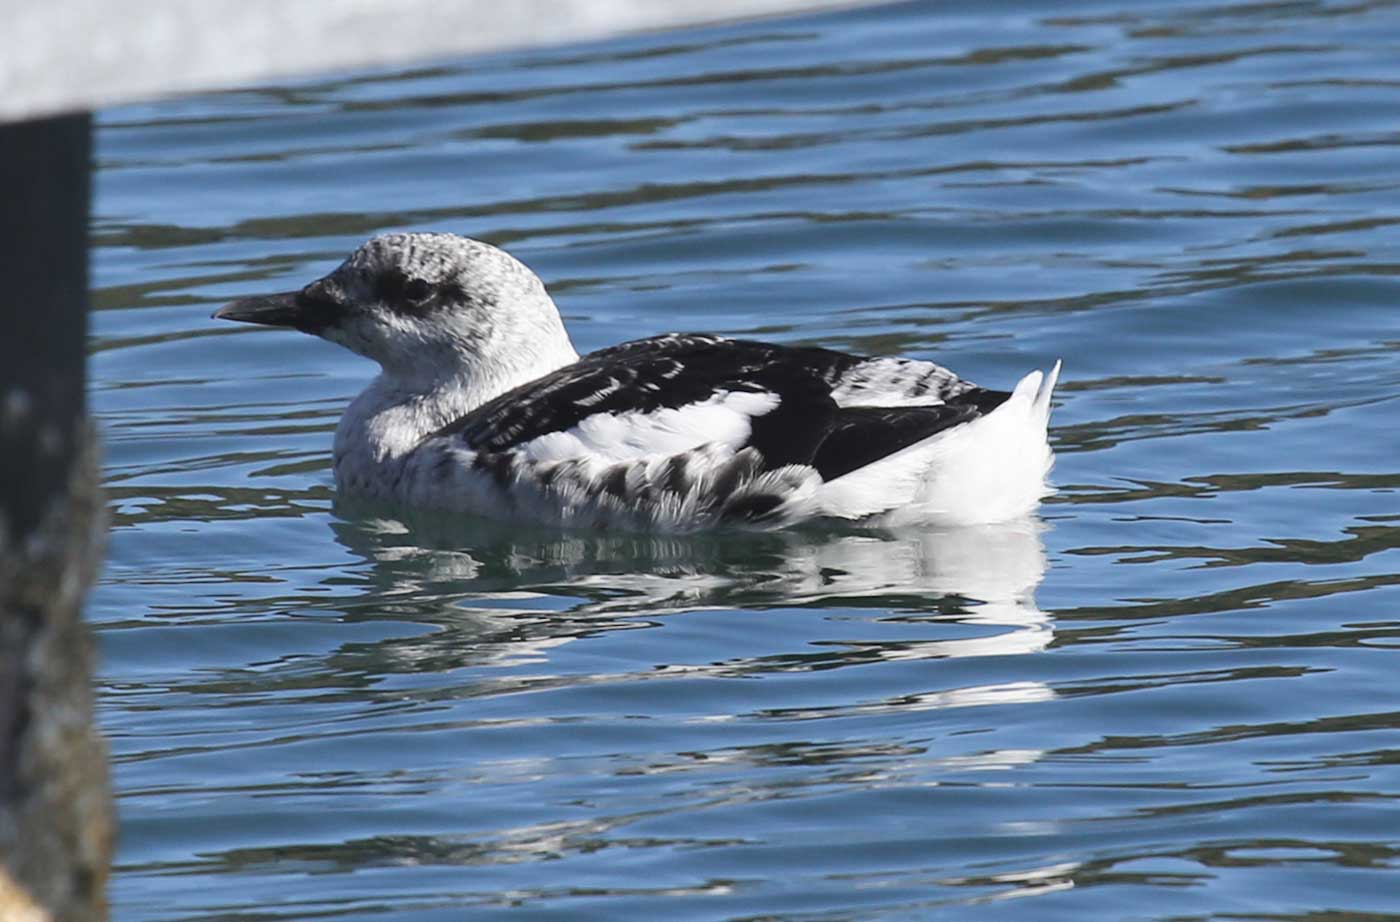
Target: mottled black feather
(649,374)
(807,427)
(754,507)
(863,435)
(983,399)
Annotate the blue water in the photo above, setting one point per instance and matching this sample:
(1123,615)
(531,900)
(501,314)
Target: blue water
(1173,697)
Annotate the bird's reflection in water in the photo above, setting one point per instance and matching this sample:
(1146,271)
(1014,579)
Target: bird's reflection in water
(509,592)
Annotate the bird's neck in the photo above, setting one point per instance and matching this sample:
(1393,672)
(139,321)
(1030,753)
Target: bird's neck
(400,409)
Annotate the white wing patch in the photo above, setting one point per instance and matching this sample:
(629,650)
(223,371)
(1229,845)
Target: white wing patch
(724,420)
(597,397)
(895,382)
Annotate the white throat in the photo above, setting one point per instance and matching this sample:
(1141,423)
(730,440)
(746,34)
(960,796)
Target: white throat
(398,410)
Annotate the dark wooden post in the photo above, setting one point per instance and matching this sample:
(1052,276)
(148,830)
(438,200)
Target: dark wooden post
(55,805)
(44,182)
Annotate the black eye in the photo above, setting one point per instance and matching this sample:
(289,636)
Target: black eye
(402,293)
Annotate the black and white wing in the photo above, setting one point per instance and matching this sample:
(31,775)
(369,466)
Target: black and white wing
(671,394)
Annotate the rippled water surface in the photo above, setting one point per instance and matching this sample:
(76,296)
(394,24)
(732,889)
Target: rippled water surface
(1173,697)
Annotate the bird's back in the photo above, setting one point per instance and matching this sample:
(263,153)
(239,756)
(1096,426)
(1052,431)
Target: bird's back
(688,430)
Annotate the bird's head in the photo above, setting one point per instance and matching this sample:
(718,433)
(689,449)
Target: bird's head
(426,307)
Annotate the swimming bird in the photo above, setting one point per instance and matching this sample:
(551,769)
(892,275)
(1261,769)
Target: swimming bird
(483,406)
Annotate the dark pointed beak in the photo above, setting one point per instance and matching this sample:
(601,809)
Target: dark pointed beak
(288,309)
(279,310)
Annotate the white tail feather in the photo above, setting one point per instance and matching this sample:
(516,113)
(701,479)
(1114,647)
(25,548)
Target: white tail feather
(1042,397)
(989,470)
